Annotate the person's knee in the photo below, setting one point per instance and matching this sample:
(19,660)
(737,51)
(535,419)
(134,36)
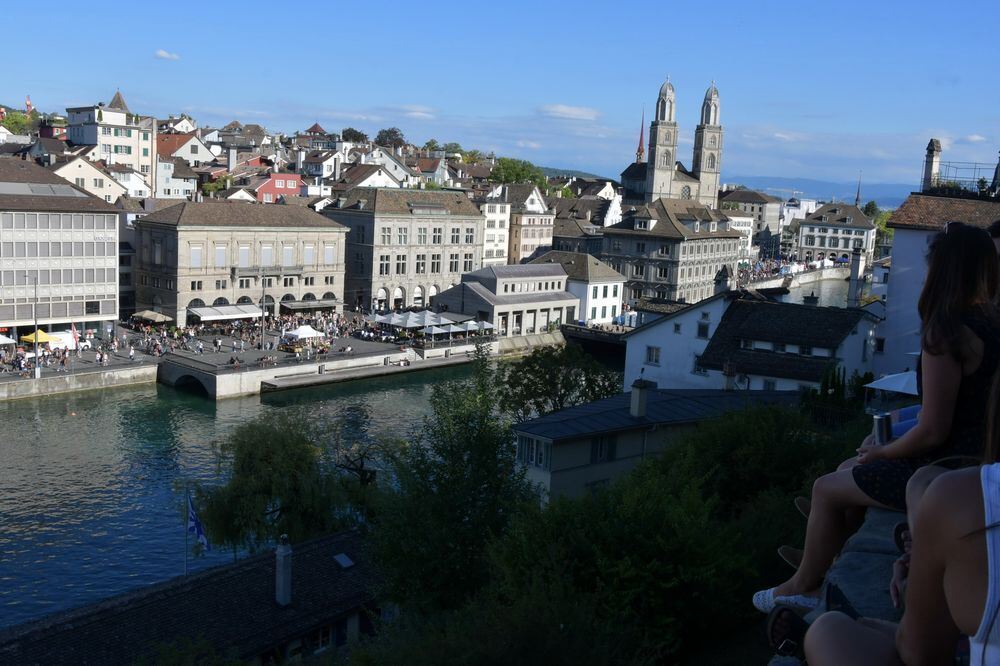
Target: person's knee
(919,482)
(825,631)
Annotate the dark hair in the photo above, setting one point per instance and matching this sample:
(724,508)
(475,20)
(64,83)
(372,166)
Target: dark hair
(994,229)
(962,274)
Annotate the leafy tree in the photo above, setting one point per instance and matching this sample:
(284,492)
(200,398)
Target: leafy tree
(216,185)
(276,485)
(354,135)
(553,378)
(508,170)
(452,147)
(432,145)
(17,122)
(455,489)
(391,137)
(871,210)
(883,234)
(431,185)
(567,193)
(473,157)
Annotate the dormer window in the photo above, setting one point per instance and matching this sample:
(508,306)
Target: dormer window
(697,227)
(714,226)
(642,224)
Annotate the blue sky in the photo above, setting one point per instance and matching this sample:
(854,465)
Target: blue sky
(808,89)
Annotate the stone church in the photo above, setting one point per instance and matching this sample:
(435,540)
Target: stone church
(663,175)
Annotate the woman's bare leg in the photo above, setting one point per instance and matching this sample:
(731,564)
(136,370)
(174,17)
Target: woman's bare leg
(917,486)
(835,638)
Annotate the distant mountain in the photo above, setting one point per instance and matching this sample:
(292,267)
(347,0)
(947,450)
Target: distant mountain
(551,172)
(887,195)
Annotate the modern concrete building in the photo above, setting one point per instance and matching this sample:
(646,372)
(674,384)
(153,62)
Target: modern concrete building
(219,254)
(120,135)
(405,246)
(599,287)
(522,299)
(58,253)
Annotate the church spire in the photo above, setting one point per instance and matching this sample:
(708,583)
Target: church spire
(857,197)
(640,152)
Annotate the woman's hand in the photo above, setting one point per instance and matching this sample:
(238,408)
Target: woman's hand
(869,453)
(897,586)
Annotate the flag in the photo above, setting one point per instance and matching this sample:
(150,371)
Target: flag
(194,525)
(76,336)
(3,113)
(27,104)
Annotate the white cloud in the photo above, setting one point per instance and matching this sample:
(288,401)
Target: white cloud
(163,54)
(418,112)
(569,112)
(972,138)
(524,143)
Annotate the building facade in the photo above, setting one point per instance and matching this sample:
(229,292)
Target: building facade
(90,178)
(599,287)
(531,221)
(58,254)
(405,246)
(833,231)
(120,135)
(495,244)
(230,253)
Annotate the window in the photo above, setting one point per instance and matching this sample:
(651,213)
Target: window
(778,347)
(328,280)
(220,256)
(467,262)
(703,330)
(196,285)
(437,235)
(220,284)
(287,255)
(309,255)
(640,248)
(453,263)
(456,236)
(400,264)
(638,270)
(266,255)
(805,350)
(244,258)
(470,235)
(677,329)
(662,272)
(879,345)
(245,283)
(194,151)
(402,235)
(435,263)
(593,292)
(602,449)
(422,236)
(769,385)
(383,264)
(421,264)
(386,236)
(80,182)
(268,197)
(279,183)
(289,282)
(652,355)
(593,313)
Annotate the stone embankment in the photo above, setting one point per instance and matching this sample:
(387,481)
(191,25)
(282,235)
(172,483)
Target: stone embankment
(87,380)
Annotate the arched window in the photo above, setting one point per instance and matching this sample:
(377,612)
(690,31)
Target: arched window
(661,109)
(685,192)
(220,301)
(309,296)
(196,303)
(711,161)
(665,160)
(244,300)
(329,296)
(712,141)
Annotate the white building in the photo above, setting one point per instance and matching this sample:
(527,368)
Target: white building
(914,224)
(598,286)
(797,209)
(744,223)
(58,253)
(120,135)
(174,179)
(131,180)
(187,147)
(90,178)
(497,213)
(750,343)
(531,220)
(833,231)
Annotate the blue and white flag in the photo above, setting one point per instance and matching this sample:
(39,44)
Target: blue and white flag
(194,525)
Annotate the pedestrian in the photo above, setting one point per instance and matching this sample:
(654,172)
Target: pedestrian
(131,353)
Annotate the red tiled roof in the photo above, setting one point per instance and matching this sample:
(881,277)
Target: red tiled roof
(930,213)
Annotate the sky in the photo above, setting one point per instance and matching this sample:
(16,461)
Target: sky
(808,89)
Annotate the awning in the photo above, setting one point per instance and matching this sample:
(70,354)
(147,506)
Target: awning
(155,317)
(223,312)
(4,340)
(324,304)
(904,382)
(41,335)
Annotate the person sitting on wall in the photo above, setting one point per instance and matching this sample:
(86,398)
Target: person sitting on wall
(960,353)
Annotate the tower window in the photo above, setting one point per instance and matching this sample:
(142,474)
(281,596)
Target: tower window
(685,192)
(711,161)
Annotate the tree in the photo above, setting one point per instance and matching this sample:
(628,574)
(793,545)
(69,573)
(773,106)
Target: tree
(432,145)
(567,193)
(17,122)
(452,147)
(456,487)
(354,135)
(871,210)
(508,170)
(883,234)
(553,378)
(472,156)
(391,137)
(276,485)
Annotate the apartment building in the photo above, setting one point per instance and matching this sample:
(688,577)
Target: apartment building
(833,231)
(497,214)
(406,245)
(531,221)
(121,137)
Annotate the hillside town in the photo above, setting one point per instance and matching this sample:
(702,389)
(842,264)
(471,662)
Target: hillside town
(237,261)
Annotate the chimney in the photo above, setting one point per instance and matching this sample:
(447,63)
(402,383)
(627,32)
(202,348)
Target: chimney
(854,289)
(300,158)
(336,168)
(640,395)
(283,572)
(232,158)
(587,216)
(932,165)
(341,201)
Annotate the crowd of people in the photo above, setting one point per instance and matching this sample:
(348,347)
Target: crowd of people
(765,269)
(941,466)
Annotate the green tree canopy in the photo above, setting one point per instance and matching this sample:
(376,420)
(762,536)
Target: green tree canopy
(452,147)
(871,210)
(17,122)
(508,170)
(553,378)
(390,137)
(354,135)
(432,145)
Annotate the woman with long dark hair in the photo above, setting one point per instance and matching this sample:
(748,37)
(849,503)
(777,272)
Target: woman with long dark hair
(960,353)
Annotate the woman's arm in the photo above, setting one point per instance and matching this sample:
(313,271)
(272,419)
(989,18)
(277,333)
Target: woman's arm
(942,377)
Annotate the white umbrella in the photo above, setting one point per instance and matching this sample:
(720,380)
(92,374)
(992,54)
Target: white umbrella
(4,340)
(395,319)
(303,332)
(903,382)
(432,330)
(485,325)
(469,326)
(452,328)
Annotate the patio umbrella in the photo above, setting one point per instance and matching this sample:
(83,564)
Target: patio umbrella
(432,330)
(903,382)
(485,325)
(4,340)
(155,317)
(452,328)
(395,320)
(303,332)
(42,336)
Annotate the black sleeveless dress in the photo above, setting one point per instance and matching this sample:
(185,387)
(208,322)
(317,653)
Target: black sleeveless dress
(885,480)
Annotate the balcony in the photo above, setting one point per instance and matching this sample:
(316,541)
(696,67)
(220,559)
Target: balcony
(267,271)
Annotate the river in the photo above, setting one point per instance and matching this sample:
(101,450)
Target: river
(92,484)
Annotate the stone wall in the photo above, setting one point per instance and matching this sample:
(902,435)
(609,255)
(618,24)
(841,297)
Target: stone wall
(79,381)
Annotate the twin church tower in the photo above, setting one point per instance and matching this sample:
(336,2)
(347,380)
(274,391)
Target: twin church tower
(663,175)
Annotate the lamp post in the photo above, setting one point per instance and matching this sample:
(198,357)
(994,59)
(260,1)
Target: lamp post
(263,305)
(34,312)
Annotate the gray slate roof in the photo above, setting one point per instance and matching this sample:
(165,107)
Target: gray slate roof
(840,215)
(663,407)
(517,271)
(26,186)
(231,606)
(930,213)
(672,216)
(746,196)
(580,266)
(240,214)
(396,201)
